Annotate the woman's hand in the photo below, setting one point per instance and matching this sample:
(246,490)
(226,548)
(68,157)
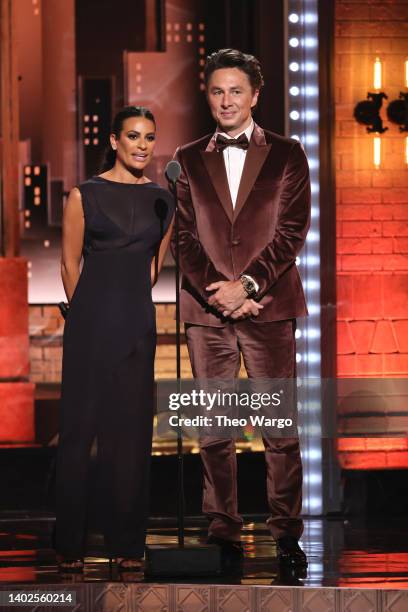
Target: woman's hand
(162,253)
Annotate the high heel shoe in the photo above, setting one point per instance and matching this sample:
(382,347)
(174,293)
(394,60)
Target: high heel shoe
(129,564)
(68,565)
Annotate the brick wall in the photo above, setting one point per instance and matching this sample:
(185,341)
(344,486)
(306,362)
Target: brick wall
(372,204)
(46,329)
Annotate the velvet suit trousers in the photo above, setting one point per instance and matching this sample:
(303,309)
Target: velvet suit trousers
(268,351)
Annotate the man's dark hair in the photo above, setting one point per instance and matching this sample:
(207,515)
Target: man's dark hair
(232,58)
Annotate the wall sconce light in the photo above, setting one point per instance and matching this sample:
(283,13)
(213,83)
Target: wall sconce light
(367,111)
(397,111)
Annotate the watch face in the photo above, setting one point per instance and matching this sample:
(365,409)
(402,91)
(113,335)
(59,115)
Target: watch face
(249,285)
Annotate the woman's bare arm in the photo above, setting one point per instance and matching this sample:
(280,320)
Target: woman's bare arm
(162,253)
(73,226)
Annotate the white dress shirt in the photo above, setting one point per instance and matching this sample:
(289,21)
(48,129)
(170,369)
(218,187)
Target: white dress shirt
(234,159)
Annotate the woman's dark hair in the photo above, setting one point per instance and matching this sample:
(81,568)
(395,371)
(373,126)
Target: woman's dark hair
(232,58)
(117,126)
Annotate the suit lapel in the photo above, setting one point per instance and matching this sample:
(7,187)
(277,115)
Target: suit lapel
(214,162)
(258,151)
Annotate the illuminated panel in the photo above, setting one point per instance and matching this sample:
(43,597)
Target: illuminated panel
(303,124)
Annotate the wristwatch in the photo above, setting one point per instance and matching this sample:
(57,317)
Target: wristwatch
(249,285)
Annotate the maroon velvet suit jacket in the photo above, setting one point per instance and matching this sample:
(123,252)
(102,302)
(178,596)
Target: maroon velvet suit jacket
(261,237)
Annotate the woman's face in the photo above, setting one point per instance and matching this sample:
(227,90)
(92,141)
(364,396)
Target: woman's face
(135,145)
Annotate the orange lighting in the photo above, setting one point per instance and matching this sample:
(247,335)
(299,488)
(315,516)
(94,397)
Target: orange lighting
(377,151)
(406,73)
(377,73)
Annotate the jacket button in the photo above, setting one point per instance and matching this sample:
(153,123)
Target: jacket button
(235,242)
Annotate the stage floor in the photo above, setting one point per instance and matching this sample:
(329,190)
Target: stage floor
(340,553)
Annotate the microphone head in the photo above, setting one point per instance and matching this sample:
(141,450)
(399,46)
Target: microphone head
(173,171)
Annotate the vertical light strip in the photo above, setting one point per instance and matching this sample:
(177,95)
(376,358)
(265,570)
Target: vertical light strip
(377,82)
(303,122)
(377,151)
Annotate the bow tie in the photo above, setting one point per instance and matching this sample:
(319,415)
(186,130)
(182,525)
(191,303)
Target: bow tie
(241,142)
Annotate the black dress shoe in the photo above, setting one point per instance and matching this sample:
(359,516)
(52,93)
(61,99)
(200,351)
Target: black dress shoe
(230,548)
(289,552)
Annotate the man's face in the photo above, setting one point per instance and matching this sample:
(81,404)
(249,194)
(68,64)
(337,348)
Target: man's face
(231,97)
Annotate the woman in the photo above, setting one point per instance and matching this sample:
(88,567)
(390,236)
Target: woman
(120,222)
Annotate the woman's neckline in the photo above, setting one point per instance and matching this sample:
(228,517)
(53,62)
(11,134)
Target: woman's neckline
(102,178)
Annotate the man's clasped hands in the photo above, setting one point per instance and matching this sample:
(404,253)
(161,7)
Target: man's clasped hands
(231,300)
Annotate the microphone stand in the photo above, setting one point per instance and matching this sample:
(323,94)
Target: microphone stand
(180,454)
(170,561)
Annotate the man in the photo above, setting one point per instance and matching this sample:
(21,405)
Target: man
(244,212)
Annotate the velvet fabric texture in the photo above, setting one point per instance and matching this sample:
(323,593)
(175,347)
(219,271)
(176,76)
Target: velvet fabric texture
(261,237)
(268,351)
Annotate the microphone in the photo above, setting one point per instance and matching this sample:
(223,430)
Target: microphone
(173,171)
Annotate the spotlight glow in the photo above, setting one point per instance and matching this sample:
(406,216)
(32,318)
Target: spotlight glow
(293,18)
(294,42)
(294,91)
(313,236)
(310,42)
(311,67)
(294,66)
(312,333)
(311,115)
(311,139)
(311,91)
(294,115)
(313,309)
